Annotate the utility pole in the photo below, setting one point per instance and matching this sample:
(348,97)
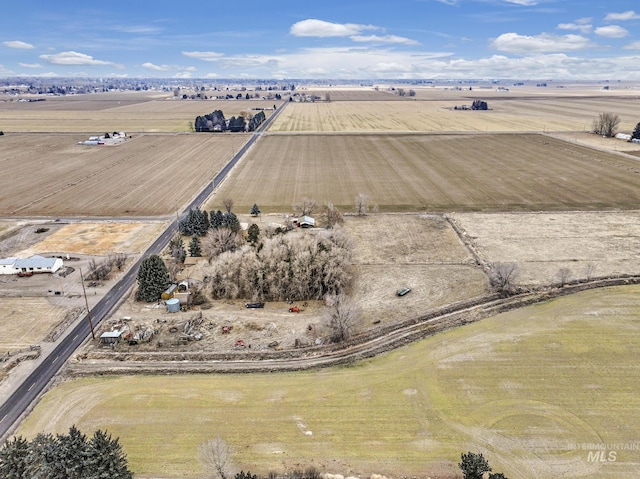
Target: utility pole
(93,335)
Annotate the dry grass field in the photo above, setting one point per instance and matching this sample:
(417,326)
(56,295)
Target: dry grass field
(587,243)
(26,321)
(529,389)
(510,114)
(121,111)
(431,172)
(98,239)
(148,175)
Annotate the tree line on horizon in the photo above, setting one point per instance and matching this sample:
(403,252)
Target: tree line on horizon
(216,122)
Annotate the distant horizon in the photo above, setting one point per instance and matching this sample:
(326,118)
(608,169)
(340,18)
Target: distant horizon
(376,40)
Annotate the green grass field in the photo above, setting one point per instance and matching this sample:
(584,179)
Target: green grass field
(529,388)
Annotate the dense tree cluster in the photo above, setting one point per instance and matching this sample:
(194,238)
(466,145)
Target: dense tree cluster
(479,105)
(295,266)
(196,223)
(215,121)
(69,456)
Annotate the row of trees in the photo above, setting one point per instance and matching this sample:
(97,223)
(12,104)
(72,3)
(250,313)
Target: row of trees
(215,121)
(199,222)
(68,456)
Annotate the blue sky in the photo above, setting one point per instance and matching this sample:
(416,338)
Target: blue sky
(325,39)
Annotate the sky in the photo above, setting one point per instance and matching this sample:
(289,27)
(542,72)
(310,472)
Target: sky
(323,39)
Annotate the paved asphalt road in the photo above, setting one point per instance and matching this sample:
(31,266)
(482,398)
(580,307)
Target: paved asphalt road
(18,403)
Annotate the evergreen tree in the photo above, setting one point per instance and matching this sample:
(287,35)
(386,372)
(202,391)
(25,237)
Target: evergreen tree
(153,279)
(217,218)
(636,133)
(106,459)
(195,248)
(73,454)
(255,211)
(13,458)
(42,458)
(253,234)
(230,220)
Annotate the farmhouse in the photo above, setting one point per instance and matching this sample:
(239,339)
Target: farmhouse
(35,264)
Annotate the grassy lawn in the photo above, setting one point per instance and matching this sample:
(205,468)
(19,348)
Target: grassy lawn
(528,388)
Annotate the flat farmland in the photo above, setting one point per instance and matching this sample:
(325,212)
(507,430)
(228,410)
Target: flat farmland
(509,114)
(119,112)
(527,388)
(52,175)
(26,321)
(588,244)
(431,172)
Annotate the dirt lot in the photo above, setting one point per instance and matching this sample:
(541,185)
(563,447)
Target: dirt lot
(146,175)
(432,173)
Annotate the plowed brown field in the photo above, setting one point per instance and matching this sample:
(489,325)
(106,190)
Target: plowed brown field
(432,172)
(505,114)
(147,175)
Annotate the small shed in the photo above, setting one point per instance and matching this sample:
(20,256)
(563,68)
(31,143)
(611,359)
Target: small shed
(110,337)
(305,222)
(168,294)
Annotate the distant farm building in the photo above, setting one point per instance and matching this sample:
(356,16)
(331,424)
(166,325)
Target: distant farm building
(304,222)
(33,265)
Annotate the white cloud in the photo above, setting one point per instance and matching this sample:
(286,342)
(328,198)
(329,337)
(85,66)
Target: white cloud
(204,56)
(157,68)
(523,44)
(449,2)
(612,31)
(581,27)
(525,3)
(383,39)
(320,28)
(18,44)
(30,65)
(182,75)
(628,15)
(73,58)
(632,46)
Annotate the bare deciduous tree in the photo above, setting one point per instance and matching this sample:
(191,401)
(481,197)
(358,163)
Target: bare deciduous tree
(341,315)
(589,271)
(216,456)
(361,204)
(228,204)
(606,124)
(503,275)
(219,240)
(332,216)
(305,207)
(563,276)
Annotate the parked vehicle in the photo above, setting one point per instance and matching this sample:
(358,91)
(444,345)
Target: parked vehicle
(403,291)
(254,305)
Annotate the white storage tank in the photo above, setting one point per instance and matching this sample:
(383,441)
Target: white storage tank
(173,305)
